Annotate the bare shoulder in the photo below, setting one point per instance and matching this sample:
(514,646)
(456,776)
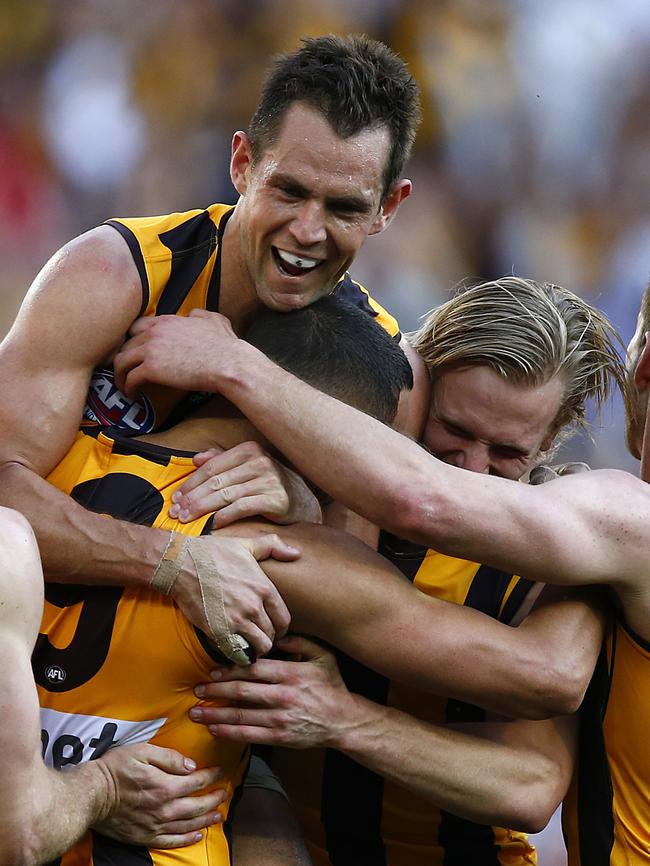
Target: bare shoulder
(312,539)
(91,282)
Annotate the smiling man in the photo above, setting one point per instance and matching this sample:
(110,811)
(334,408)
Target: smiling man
(317,172)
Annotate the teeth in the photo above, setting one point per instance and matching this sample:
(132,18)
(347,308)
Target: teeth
(297,261)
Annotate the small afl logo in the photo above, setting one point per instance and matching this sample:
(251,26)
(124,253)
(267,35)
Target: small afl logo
(108,406)
(55,674)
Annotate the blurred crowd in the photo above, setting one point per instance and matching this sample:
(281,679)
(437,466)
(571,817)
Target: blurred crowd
(533,156)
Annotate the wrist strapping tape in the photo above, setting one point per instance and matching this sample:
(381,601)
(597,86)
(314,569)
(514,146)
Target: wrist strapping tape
(233,646)
(167,570)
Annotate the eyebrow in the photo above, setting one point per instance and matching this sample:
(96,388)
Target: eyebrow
(463,431)
(345,202)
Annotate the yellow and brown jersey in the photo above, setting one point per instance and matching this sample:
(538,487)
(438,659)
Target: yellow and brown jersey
(178,257)
(115,666)
(606,815)
(349,814)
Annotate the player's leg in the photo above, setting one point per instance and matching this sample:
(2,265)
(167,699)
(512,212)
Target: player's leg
(265,830)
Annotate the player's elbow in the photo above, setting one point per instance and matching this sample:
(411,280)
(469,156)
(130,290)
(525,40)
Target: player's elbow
(422,515)
(534,800)
(562,690)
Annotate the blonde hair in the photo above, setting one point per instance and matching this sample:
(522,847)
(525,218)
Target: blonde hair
(529,333)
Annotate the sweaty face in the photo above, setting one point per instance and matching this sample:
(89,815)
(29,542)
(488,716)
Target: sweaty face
(481,422)
(306,207)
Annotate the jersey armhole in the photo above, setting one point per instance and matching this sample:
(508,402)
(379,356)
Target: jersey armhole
(138,258)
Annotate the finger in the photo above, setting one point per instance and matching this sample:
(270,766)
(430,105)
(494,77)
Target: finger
(240,694)
(573,468)
(167,840)
(278,613)
(127,359)
(222,462)
(141,325)
(247,734)
(265,670)
(202,456)
(211,497)
(541,474)
(199,313)
(271,545)
(249,506)
(168,760)
(261,641)
(298,645)
(258,621)
(247,717)
(193,813)
(185,829)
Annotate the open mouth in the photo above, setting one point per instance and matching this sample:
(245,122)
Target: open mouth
(294,266)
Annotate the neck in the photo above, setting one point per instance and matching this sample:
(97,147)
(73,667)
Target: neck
(202,431)
(237,297)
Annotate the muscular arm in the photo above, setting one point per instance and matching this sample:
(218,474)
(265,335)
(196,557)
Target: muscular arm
(590,528)
(140,794)
(513,774)
(74,316)
(31,827)
(343,592)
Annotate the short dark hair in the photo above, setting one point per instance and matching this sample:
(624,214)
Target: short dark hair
(355,82)
(339,349)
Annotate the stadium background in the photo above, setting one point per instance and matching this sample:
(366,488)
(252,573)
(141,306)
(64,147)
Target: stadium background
(533,157)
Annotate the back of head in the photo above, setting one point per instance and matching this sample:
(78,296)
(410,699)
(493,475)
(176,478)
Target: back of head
(339,349)
(528,332)
(355,82)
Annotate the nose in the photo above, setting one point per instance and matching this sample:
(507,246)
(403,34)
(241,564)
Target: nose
(308,226)
(475,458)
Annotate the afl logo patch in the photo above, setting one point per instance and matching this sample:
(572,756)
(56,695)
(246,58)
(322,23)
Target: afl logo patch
(55,674)
(108,406)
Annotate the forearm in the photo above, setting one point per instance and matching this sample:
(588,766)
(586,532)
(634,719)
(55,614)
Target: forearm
(77,545)
(562,535)
(317,433)
(48,816)
(346,594)
(494,778)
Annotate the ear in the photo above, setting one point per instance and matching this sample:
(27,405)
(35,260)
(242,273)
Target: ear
(549,438)
(642,368)
(241,159)
(396,195)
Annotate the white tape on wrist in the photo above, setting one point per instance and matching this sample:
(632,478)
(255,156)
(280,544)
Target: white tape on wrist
(168,569)
(232,645)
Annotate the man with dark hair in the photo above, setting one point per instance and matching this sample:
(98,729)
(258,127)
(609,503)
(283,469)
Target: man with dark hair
(329,342)
(355,83)
(321,178)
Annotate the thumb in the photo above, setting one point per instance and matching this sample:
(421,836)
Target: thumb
(271,545)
